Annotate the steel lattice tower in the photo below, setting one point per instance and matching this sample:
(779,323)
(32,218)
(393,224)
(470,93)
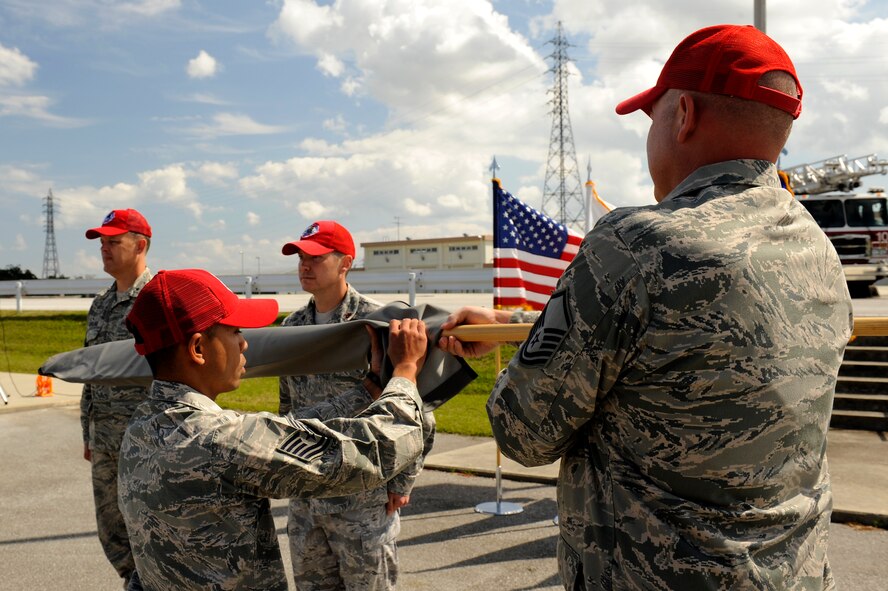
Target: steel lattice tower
(562,198)
(50,254)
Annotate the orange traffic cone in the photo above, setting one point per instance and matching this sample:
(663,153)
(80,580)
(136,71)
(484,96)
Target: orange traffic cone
(44,386)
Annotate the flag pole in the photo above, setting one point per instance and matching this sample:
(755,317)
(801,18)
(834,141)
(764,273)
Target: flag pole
(498,507)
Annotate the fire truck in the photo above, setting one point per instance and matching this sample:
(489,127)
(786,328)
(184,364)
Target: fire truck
(857,224)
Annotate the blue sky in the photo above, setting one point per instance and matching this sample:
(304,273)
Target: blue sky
(233,125)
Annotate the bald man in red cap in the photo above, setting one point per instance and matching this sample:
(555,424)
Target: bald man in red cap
(125,237)
(683,369)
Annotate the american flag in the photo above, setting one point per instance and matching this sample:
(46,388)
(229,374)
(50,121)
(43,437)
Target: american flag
(530,252)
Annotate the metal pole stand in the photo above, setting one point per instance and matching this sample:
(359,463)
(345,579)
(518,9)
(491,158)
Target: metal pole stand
(498,507)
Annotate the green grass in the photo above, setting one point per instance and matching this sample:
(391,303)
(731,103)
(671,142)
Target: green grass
(29,338)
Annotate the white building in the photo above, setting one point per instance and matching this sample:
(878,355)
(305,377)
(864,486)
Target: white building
(459,252)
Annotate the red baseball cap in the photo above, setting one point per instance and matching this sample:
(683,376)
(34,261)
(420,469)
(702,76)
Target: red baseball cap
(121,221)
(724,59)
(320,238)
(176,304)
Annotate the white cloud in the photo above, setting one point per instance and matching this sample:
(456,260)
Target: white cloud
(253,218)
(883,115)
(202,66)
(88,261)
(330,65)
(205,99)
(420,209)
(35,107)
(149,7)
(15,67)
(845,90)
(20,243)
(217,173)
(231,124)
(336,124)
(311,209)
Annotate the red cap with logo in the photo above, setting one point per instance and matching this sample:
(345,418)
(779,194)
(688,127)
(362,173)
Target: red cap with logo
(320,238)
(176,304)
(121,221)
(724,59)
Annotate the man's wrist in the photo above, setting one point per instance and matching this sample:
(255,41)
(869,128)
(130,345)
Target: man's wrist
(373,384)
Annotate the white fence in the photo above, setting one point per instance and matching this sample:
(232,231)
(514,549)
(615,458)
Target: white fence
(426,281)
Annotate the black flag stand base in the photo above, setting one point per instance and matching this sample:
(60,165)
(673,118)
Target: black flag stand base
(498,507)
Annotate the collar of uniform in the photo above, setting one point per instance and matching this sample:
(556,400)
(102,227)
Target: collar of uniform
(137,285)
(346,309)
(730,172)
(182,394)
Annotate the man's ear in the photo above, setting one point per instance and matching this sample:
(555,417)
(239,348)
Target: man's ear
(687,117)
(346,263)
(194,348)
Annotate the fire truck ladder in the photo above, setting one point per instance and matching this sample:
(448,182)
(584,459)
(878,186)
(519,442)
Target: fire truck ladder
(839,173)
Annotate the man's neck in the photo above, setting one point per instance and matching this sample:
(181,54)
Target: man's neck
(327,300)
(125,281)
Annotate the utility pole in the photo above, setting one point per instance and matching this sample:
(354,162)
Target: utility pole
(562,198)
(50,253)
(398,225)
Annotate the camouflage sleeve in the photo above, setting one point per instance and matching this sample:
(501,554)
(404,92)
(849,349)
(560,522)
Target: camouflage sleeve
(284,401)
(402,484)
(524,316)
(588,332)
(85,410)
(347,404)
(270,456)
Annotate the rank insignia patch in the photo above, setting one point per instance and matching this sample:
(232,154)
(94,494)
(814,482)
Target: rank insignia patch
(304,445)
(548,332)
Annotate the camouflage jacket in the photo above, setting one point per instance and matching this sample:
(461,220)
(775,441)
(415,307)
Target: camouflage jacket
(683,371)
(300,392)
(195,479)
(105,410)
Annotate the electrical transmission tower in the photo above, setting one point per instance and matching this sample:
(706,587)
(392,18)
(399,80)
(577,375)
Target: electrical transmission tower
(50,254)
(562,198)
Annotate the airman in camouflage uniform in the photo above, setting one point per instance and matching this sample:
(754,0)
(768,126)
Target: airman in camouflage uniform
(105,410)
(195,479)
(345,542)
(684,368)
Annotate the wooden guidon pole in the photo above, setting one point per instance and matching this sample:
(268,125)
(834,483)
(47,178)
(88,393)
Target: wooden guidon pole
(865,326)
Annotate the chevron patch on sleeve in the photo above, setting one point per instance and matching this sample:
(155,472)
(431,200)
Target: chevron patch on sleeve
(304,444)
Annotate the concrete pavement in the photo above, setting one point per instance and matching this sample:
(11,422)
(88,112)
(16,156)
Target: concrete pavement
(858,460)
(48,537)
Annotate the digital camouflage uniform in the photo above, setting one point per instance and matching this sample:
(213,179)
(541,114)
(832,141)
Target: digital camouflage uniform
(683,371)
(346,542)
(104,414)
(195,479)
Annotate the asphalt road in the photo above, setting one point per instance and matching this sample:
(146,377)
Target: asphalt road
(48,539)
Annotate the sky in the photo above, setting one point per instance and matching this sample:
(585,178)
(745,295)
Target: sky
(233,125)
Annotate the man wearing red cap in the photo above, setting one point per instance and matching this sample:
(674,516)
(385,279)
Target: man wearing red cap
(346,542)
(105,410)
(195,479)
(684,368)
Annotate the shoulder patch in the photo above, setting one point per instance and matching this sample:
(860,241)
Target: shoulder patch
(548,332)
(304,444)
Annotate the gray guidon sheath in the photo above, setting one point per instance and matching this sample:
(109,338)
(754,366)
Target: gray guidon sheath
(286,351)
